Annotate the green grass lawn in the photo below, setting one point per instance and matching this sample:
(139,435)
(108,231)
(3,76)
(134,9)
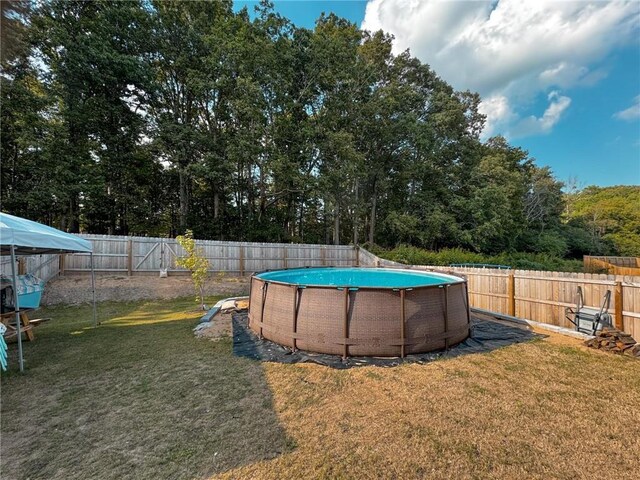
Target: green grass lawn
(141,398)
(138,397)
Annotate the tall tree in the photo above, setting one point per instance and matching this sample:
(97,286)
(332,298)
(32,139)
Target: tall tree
(93,61)
(186,99)
(158,117)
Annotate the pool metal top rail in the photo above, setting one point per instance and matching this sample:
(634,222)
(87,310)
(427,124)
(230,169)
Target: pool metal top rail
(455,279)
(481,265)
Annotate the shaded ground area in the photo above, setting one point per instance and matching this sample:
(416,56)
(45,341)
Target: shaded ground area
(137,398)
(486,335)
(74,289)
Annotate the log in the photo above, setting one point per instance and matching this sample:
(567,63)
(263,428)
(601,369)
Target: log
(614,341)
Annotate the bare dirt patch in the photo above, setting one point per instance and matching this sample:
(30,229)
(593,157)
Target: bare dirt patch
(219,328)
(76,289)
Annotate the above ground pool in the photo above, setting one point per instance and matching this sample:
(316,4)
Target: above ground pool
(359,311)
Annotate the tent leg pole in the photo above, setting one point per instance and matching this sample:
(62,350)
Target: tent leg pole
(16,304)
(93,291)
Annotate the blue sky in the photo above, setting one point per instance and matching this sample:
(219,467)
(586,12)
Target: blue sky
(561,80)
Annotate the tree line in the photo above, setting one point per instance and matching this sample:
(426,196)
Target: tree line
(154,117)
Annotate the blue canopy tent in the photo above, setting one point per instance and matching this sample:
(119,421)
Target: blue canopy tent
(19,236)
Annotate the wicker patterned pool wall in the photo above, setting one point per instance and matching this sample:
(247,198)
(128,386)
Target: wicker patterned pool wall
(363,321)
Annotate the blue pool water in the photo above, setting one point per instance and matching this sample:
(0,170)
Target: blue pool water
(358,277)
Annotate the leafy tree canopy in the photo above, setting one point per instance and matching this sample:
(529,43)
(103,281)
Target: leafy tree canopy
(161,117)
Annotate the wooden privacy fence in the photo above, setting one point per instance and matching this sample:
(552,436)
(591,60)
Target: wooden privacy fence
(146,255)
(612,265)
(530,295)
(43,266)
(542,296)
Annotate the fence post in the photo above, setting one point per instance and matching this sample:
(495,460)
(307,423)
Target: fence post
(619,323)
(356,251)
(323,255)
(284,257)
(22,266)
(129,257)
(241,260)
(511,293)
(61,264)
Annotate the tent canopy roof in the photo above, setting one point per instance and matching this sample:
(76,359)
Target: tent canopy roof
(33,238)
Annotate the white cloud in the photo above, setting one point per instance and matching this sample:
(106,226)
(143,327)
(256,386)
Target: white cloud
(502,118)
(630,113)
(508,50)
(498,112)
(533,125)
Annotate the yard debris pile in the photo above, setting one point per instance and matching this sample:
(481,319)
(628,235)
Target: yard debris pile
(613,340)
(216,323)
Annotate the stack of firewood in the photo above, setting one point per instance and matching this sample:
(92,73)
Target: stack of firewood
(613,340)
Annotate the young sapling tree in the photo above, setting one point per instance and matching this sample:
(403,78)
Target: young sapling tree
(195,262)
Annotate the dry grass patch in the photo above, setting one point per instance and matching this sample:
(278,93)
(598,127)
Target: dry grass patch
(535,410)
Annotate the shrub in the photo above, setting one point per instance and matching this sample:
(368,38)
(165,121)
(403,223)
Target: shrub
(410,255)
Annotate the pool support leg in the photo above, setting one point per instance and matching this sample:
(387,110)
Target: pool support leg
(467,302)
(345,329)
(297,291)
(446,317)
(249,312)
(264,300)
(402,323)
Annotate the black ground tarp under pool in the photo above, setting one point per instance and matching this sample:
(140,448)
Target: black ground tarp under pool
(486,335)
